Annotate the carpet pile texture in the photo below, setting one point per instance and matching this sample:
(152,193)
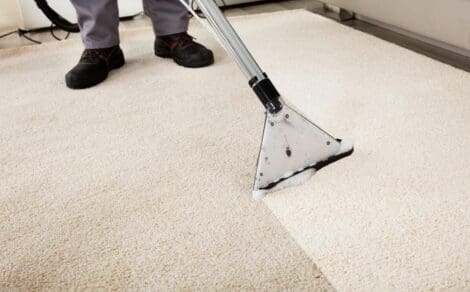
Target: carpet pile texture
(144,181)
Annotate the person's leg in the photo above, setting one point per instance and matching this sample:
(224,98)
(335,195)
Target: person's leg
(170,23)
(98,21)
(168,16)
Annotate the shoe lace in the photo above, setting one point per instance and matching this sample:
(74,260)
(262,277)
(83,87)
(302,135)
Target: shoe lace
(92,55)
(185,40)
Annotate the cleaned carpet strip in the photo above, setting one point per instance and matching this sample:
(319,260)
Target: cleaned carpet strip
(143,182)
(396,214)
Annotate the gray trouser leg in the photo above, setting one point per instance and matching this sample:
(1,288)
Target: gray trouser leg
(98,21)
(168,16)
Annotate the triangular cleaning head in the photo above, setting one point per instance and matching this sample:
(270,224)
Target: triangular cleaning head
(292,149)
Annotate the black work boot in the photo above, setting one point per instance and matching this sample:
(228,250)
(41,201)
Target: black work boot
(94,66)
(183,50)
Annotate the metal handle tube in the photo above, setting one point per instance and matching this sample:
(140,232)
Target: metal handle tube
(230,40)
(227,34)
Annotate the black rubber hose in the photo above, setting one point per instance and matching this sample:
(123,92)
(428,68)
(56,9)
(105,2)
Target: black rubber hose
(56,18)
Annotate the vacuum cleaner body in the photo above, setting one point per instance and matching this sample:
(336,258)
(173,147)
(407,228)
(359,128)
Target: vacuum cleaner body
(292,147)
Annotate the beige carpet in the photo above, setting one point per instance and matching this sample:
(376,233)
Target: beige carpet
(140,183)
(144,181)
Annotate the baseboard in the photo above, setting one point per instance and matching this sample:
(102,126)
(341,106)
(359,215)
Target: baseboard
(433,42)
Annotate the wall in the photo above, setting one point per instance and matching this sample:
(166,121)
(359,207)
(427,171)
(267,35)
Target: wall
(446,21)
(9,14)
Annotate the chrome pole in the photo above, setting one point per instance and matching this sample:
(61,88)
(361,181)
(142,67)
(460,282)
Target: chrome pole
(230,38)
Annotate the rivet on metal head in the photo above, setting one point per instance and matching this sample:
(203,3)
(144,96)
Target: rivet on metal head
(288,152)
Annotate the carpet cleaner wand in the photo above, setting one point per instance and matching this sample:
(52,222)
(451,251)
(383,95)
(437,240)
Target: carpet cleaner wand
(292,147)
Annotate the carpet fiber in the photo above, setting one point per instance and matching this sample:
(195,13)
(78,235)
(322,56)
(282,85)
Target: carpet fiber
(140,183)
(145,180)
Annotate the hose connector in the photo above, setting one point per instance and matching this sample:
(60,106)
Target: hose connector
(267,93)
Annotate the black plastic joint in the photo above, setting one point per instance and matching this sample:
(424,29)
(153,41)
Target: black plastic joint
(267,94)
